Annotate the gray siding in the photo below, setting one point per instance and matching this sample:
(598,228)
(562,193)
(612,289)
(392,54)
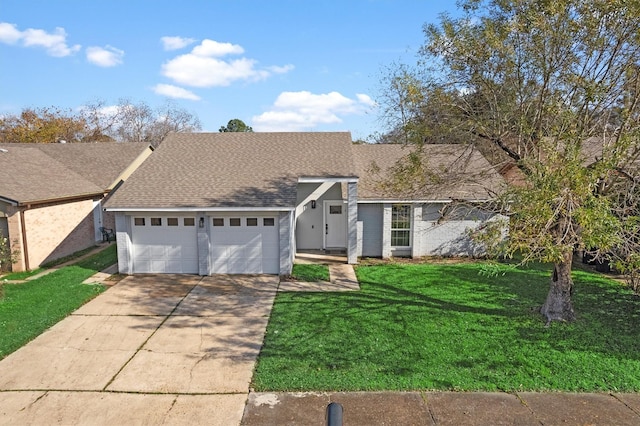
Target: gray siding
(449,237)
(287,248)
(309,232)
(204,245)
(352,223)
(371,217)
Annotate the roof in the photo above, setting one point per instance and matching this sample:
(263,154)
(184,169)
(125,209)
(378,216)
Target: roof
(234,169)
(448,171)
(101,163)
(43,172)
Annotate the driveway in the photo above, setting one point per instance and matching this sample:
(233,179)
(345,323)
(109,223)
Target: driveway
(161,349)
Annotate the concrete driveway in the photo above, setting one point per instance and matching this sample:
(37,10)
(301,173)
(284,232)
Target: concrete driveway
(161,349)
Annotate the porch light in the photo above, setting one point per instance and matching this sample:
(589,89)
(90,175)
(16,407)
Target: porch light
(201,222)
(313,204)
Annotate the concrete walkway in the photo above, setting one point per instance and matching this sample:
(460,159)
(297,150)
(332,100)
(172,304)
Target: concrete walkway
(163,349)
(341,278)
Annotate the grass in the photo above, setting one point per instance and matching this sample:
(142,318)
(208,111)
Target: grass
(447,327)
(28,309)
(310,272)
(20,275)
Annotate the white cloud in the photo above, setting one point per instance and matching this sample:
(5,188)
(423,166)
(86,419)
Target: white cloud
(9,34)
(175,43)
(214,48)
(204,66)
(54,43)
(107,56)
(175,92)
(281,70)
(296,111)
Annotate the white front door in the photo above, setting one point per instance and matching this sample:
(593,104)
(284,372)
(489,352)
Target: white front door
(335,224)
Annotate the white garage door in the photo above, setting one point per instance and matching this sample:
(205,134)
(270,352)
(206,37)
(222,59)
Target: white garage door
(245,245)
(165,244)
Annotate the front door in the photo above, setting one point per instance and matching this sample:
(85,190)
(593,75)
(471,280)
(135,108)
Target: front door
(335,224)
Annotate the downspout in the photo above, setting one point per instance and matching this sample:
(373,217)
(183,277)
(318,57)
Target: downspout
(25,250)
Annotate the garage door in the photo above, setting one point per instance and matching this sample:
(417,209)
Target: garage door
(164,244)
(245,245)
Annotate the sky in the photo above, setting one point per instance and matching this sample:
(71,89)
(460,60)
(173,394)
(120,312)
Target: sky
(277,65)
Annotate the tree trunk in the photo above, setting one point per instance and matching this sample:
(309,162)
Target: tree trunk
(558,306)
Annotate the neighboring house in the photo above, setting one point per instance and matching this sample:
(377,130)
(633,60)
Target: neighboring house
(51,195)
(207,203)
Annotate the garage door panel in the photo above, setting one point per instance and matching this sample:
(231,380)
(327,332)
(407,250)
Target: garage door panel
(244,248)
(164,249)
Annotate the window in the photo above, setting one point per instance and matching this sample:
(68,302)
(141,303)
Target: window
(138,221)
(218,221)
(172,221)
(156,221)
(400,225)
(234,221)
(335,209)
(252,221)
(268,221)
(189,221)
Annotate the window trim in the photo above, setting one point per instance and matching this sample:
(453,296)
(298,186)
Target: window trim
(403,229)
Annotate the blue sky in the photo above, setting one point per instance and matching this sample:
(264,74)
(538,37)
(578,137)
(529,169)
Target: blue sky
(278,65)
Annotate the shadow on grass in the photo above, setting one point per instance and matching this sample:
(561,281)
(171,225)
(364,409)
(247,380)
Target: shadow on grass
(447,327)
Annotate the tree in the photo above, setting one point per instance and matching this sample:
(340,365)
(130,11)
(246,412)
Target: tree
(235,125)
(43,125)
(551,87)
(96,122)
(138,122)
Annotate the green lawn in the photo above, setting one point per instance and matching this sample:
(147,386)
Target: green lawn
(447,327)
(310,272)
(27,309)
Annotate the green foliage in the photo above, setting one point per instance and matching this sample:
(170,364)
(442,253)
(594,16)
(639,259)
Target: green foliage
(7,256)
(447,327)
(235,125)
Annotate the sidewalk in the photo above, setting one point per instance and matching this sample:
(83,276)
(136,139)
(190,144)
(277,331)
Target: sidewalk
(444,408)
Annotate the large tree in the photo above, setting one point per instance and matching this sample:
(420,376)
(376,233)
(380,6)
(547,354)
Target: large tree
(550,88)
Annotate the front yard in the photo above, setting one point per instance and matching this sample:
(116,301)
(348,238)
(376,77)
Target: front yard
(29,308)
(448,327)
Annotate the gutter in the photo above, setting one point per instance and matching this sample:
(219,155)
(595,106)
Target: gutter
(198,209)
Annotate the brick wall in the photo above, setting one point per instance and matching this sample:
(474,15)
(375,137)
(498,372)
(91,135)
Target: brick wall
(58,230)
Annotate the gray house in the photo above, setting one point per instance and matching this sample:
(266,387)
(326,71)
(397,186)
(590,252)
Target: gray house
(207,203)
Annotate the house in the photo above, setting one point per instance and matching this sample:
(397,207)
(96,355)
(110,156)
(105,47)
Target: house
(51,195)
(208,203)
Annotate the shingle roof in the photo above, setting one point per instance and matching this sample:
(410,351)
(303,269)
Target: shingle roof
(450,172)
(100,163)
(41,172)
(234,169)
